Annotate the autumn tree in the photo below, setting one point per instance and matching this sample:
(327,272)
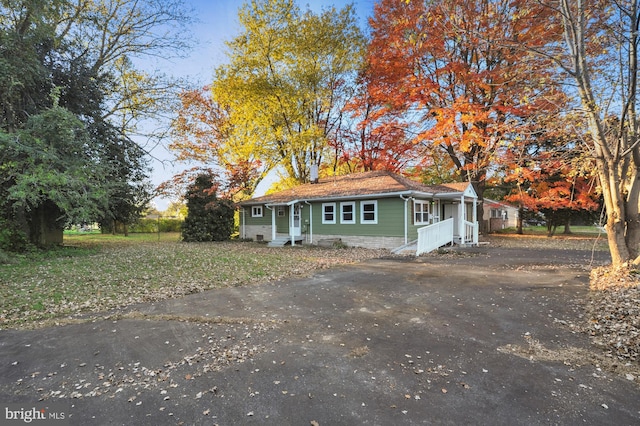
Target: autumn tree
(555,182)
(449,67)
(289,75)
(599,54)
(202,133)
(372,137)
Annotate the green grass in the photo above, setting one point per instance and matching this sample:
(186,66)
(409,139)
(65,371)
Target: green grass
(577,231)
(96,273)
(96,238)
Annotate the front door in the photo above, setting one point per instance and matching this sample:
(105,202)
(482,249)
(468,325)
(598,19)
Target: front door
(294,227)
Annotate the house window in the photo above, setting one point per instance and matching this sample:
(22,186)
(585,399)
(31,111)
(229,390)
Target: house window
(256,211)
(421,212)
(281,211)
(348,213)
(329,213)
(369,212)
(497,213)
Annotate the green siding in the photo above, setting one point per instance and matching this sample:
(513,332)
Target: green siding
(390,220)
(250,220)
(390,217)
(282,222)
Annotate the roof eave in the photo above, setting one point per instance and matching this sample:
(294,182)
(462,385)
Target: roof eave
(410,193)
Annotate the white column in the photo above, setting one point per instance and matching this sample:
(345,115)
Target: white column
(310,223)
(293,237)
(475,221)
(273,223)
(461,225)
(244,225)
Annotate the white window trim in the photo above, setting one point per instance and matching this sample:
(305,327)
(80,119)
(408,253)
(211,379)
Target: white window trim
(281,211)
(256,211)
(324,220)
(428,211)
(375,212)
(353,213)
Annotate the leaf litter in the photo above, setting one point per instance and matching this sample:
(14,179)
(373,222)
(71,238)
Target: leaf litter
(55,290)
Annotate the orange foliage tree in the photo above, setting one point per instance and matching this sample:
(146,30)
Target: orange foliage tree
(201,133)
(450,69)
(553,185)
(375,138)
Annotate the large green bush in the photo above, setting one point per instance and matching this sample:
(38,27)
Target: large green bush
(209,218)
(12,239)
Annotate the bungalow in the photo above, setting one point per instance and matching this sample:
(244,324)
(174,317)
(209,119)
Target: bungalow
(376,209)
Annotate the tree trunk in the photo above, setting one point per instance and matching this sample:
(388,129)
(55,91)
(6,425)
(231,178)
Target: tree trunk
(44,228)
(520,214)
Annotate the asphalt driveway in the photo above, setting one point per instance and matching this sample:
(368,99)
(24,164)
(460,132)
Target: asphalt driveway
(487,336)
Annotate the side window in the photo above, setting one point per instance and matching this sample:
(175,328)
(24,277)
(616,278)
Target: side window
(348,212)
(281,211)
(256,211)
(369,212)
(329,213)
(421,210)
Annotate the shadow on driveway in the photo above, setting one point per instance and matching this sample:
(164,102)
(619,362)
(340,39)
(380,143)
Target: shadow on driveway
(485,336)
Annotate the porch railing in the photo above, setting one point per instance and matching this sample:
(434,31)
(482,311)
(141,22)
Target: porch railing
(470,232)
(434,236)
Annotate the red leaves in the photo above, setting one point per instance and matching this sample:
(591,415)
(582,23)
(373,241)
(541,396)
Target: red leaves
(199,128)
(552,183)
(453,72)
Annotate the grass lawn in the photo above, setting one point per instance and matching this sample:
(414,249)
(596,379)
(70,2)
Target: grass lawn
(96,273)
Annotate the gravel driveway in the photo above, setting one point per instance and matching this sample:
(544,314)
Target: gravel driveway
(484,336)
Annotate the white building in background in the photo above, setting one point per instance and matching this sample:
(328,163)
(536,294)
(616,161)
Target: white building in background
(499,215)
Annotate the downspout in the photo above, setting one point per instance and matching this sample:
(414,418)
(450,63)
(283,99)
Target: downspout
(310,221)
(406,220)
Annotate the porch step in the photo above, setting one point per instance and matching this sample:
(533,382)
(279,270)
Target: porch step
(279,242)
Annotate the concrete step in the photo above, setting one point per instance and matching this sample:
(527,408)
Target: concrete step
(279,242)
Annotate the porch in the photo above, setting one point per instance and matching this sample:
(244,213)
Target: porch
(283,240)
(439,234)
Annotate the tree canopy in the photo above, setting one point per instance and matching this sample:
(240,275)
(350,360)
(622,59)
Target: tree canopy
(279,99)
(440,89)
(71,102)
(449,67)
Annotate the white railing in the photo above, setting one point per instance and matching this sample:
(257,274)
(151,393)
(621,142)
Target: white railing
(434,236)
(470,232)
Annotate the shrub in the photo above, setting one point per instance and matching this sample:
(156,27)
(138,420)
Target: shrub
(12,239)
(209,218)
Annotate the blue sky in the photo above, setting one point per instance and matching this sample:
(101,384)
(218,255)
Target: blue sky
(217,23)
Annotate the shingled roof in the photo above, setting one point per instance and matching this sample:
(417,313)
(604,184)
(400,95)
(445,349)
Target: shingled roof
(376,183)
